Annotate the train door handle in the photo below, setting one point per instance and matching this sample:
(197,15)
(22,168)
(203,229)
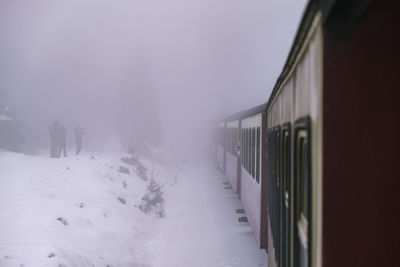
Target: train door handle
(287,199)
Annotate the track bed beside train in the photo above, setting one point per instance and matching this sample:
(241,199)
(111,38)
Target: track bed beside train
(202,227)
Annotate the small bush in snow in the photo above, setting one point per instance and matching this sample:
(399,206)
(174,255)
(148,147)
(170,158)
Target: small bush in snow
(153,200)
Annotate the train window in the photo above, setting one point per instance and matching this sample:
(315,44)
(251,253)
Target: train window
(250,151)
(232,141)
(242,148)
(236,140)
(302,179)
(235,134)
(253,150)
(247,149)
(227,139)
(258,156)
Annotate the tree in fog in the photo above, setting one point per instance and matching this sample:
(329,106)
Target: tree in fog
(10,138)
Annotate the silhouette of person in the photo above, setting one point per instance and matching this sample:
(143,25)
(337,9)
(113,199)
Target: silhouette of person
(54,139)
(62,135)
(78,139)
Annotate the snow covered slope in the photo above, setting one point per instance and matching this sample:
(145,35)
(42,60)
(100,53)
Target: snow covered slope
(83,211)
(76,211)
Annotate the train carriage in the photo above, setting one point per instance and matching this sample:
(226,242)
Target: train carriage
(294,149)
(340,73)
(318,163)
(252,170)
(244,155)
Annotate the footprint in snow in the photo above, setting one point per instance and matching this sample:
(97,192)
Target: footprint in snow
(51,255)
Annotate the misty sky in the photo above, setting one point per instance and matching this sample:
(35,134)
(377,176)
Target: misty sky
(140,69)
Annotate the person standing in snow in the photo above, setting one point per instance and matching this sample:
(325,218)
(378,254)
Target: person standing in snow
(78,139)
(63,140)
(54,139)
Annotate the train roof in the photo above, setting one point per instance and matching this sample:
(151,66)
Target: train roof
(329,9)
(300,37)
(247,113)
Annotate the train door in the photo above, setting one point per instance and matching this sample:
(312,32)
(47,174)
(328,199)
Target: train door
(269,151)
(240,160)
(286,195)
(302,194)
(277,195)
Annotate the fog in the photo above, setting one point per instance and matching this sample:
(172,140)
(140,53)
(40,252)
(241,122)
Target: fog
(140,71)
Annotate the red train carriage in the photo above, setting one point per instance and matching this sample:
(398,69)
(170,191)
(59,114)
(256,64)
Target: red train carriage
(322,191)
(331,198)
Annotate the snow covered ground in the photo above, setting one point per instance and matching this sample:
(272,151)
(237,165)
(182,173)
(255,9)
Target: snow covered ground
(202,228)
(82,211)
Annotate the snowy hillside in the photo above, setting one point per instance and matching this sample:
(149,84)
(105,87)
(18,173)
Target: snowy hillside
(88,211)
(77,211)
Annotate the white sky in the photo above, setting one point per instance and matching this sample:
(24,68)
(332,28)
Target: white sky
(166,64)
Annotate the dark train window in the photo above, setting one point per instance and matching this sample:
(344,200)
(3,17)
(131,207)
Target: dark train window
(278,157)
(235,141)
(303,194)
(245,149)
(253,150)
(232,140)
(242,147)
(258,156)
(248,150)
(227,139)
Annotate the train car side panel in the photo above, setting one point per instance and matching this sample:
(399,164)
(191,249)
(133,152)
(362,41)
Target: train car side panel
(251,173)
